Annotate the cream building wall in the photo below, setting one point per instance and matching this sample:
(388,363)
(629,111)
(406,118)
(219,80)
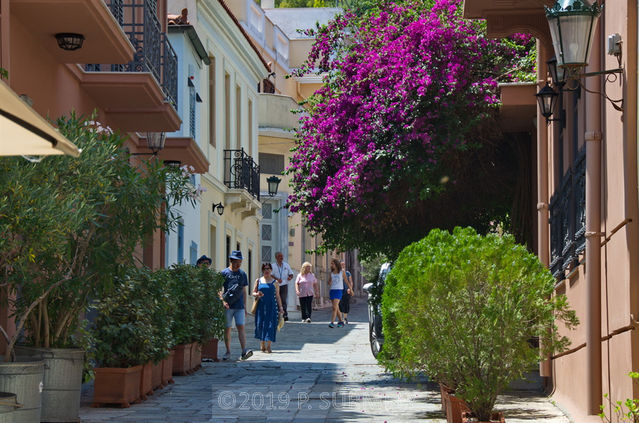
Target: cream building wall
(228,88)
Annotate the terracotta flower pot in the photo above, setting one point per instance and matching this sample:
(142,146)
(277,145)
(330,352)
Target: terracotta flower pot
(468,417)
(146,381)
(156,372)
(209,350)
(182,359)
(116,386)
(445,391)
(196,356)
(167,369)
(455,407)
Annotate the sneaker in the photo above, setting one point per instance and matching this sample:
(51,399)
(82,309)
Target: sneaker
(308,320)
(304,320)
(345,321)
(331,325)
(226,356)
(286,318)
(340,325)
(247,354)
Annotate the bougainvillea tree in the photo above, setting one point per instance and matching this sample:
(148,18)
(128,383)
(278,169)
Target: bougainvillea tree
(409,88)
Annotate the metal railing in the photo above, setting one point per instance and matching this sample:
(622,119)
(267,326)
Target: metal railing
(153,51)
(241,172)
(568,218)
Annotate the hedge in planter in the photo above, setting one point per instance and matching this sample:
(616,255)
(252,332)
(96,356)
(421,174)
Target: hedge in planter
(463,307)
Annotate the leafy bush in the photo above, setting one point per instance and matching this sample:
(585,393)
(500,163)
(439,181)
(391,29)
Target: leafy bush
(123,330)
(462,307)
(199,313)
(626,411)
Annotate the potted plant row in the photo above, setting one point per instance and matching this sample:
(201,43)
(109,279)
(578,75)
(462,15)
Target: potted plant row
(150,328)
(462,308)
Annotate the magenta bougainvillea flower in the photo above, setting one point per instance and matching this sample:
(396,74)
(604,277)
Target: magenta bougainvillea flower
(404,86)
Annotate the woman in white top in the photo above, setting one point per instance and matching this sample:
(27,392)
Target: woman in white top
(305,287)
(338,276)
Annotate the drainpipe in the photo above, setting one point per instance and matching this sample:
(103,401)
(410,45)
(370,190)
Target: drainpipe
(543,243)
(593,230)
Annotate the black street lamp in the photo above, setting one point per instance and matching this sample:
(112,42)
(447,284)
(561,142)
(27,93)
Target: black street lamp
(273,183)
(556,73)
(547,97)
(220,208)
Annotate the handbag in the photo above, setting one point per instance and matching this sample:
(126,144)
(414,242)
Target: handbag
(233,294)
(254,308)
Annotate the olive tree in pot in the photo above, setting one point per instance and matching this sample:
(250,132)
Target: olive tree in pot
(463,307)
(103,201)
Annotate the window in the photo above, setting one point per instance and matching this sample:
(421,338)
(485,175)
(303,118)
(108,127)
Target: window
(180,242)
(227,111)
(212,102)
(267,210)
(238,117)
(250,128)
(250,269)
(271,163)
(213,246)
(192,110)
(266,253)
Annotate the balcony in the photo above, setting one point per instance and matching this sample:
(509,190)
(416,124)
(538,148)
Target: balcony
(104,37)
(568,219)
(140,95)
(275,115)
(242,177)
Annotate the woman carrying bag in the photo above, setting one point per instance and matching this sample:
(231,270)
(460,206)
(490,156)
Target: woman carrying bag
(269,308)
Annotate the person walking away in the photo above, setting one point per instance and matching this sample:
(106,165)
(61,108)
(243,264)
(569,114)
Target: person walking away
(335,294)
(282,273)
(345,302)
(233,294)
(305,287)
(269,308)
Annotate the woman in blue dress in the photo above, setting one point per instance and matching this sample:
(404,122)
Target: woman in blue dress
(269,308)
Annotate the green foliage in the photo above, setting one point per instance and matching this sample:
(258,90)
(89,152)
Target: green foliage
(69,226)
(463,307)
(123,330)
(626,411)
(198,313)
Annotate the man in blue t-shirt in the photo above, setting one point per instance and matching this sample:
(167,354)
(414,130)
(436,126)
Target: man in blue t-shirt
(235,282)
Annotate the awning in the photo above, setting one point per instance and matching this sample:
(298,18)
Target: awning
(24,132)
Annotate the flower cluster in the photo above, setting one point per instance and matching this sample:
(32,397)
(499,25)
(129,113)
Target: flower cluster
(403,87)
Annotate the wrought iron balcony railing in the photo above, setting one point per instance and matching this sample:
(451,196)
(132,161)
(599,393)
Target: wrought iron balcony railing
(568,218)
(241,172)
(153,51)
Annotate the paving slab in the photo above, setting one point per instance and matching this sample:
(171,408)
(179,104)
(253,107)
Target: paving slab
(314,375)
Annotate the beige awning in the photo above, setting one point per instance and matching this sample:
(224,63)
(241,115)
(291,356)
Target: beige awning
(23,132)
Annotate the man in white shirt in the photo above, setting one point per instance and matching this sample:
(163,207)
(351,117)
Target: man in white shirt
(282,273)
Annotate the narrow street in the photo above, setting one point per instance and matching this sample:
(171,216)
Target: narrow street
(315,374)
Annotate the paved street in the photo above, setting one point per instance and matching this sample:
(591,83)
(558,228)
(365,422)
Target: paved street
(315,374)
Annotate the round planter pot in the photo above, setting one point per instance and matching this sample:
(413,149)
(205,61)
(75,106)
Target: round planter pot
(62,381)
(25,380)
(8,406)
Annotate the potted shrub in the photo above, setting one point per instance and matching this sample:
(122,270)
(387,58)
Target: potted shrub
(462,308)
(124,338)
(59,231)
(157,284)
(210,321)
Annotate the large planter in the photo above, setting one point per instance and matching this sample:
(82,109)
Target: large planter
(8,406)
(209,350)
(196,356)
(116,386)
(167,369)
(146,381)
(156,375)
(455,408)
(25,380)
(495,418)
(182,359)
(445,391)
(62,381)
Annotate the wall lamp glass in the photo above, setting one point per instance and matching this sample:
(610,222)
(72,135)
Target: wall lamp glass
(273,183)
(220,208)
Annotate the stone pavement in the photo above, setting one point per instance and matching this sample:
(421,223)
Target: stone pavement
(315,374)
